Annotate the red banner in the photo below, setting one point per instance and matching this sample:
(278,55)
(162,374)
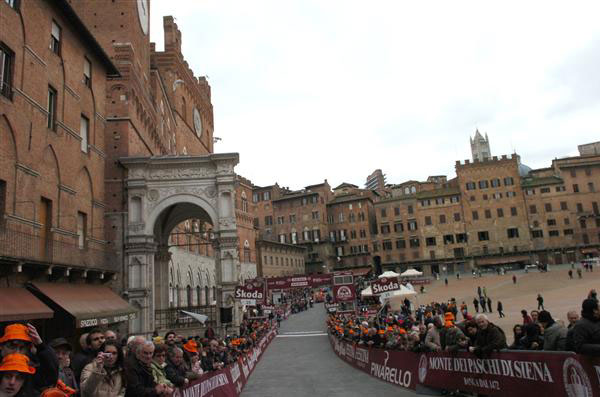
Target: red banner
(251,291)
(395,367)
(312,281)
(503,374)
(229,381)
(385,284)
(343,293)
(517,373)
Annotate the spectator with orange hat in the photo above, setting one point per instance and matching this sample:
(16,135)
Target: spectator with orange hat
(15,375)
(24,339)
(191,356)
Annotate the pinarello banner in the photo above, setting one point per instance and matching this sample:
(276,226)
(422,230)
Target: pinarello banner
(252,290)
(229,381)
(385,284)
(395,367)
(513,373)
(312,281)
(343,293)
(502,374)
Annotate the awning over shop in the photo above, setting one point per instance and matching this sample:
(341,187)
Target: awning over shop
(91,305)
(503,260)
(18,304)
(361,271)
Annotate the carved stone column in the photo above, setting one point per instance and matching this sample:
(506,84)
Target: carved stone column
(140,259)
(161,278)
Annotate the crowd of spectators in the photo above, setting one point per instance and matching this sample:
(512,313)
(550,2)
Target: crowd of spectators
(108,367)
(436,327)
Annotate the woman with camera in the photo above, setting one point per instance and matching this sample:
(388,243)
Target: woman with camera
(104,377)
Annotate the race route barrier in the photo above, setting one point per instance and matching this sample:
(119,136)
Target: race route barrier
(502,374)
(229,381)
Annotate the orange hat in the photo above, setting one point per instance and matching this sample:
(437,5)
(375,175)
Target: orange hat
(390,329)
(402,331)
(381,332)
(17,362)
(449,324)
(15,332)
(191,346)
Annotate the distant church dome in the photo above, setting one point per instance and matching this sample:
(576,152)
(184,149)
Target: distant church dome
(524,170)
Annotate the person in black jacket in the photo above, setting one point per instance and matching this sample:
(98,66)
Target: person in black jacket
(24,339)
(95,343)
(586,332)
(489,337)
(175,369)
(138,374)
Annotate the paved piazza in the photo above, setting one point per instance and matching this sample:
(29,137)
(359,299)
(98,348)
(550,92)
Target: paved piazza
(300,362)
(559,292)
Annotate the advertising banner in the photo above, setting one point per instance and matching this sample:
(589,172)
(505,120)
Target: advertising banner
(251,291)
(311,281)
(343,293)
(517,373)
(395,367)
(229,381)
(384,286)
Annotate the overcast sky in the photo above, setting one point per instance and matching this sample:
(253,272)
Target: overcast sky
(311,90)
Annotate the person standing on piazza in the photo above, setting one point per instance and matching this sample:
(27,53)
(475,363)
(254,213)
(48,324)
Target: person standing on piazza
(25,340)
(540,301)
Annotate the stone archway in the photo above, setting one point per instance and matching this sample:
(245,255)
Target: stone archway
(161,193)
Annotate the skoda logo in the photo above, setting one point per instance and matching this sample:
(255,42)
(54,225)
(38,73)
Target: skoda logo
(422,368)
(577,383)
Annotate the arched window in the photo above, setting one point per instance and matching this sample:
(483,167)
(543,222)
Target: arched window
(214,293)
(206,298)
(244,202)
(176,296)
(198,295)
(183,109)
(189,296)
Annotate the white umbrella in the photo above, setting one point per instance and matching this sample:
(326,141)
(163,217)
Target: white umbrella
(411,272)
(196,316)
(388,274)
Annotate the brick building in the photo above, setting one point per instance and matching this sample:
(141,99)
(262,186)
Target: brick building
(278,259)
(351,223)
(53,156)
(495,212)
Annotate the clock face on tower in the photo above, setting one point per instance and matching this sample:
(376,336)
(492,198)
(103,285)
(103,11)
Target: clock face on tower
(143,11)
(197,122)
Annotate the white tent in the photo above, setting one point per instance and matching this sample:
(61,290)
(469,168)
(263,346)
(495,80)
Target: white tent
(366,292)
(389,273)
(397,298)
(411,272)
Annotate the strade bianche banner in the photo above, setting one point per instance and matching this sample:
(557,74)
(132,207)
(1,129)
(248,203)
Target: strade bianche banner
(503,374)
(230,381)
(521,373)
(395,367)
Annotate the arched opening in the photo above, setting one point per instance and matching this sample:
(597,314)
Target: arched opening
(198,295)
(189,296)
